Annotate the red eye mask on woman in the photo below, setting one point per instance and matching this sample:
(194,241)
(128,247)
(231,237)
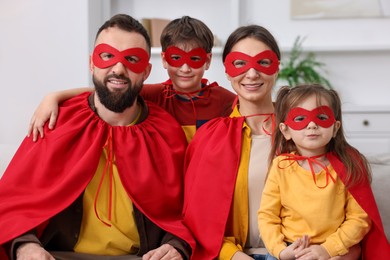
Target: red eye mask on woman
(176,57)
(136,59)
(237,63)
(299,118)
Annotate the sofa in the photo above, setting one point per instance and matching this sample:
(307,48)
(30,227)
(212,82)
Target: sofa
(380,166)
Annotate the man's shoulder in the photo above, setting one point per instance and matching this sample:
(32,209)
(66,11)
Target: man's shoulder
(80,98)
(77,105)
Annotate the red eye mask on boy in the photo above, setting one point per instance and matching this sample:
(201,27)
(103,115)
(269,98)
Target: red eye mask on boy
(141,57)
(298,118)
(266,62)
(176,57)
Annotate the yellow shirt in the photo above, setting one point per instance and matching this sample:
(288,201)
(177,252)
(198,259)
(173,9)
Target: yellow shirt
(189,131)
(237,226)
(101,234)
(96,237)
(293,205)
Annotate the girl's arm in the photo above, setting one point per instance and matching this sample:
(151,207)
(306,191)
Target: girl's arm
(353,254)
(351,232)
(48,110)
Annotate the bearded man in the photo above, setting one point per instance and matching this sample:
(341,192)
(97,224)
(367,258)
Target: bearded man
(107,182)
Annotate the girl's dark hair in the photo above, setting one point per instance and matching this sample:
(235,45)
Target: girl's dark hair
(251,31)
(127,23)
(187,30)
(288,98)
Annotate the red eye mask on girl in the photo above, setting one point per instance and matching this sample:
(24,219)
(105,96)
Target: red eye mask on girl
(237,63)
(176,57)
(139,57)
(298,118)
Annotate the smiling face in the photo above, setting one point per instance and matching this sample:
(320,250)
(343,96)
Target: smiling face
(252,85)
(117,85)
(310,135)
(185,77)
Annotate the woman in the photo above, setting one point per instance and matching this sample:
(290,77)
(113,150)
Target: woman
(227,161)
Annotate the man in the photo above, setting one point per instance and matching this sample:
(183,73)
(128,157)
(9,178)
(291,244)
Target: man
(108,180)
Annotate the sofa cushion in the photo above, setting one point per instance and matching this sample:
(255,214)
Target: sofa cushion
(380,166)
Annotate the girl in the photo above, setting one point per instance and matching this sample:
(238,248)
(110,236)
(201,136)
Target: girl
(317,202)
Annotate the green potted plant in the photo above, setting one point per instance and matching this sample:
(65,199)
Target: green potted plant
(302,67)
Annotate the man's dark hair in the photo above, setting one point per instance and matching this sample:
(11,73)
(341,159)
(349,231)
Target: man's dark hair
(127,23)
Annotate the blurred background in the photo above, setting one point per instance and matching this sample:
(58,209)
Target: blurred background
(45,45)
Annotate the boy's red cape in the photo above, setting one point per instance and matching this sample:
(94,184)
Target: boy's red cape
(211,166)
(44,178)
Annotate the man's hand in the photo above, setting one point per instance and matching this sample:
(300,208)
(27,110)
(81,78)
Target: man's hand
(164,252)
(32,251)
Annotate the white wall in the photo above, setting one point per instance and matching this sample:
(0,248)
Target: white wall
(43,47)
(356,51)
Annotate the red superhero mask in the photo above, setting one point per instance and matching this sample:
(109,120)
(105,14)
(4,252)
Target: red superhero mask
(237,63)
(176,57)
(136,59)
(299,118)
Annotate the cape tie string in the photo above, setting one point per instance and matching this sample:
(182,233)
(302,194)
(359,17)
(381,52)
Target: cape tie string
(170,92)
(107,168)
(311,160)
(270,116)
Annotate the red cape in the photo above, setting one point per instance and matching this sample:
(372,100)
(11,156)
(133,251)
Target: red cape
(44,178)
(211,167)
(375,244)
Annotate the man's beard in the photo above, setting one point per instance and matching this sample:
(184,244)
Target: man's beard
(116,101)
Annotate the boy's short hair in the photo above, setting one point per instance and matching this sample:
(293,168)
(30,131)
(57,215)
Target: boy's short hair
(186,30)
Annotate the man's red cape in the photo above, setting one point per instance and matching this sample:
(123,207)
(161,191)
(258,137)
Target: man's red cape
(44,178)
(211,167)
